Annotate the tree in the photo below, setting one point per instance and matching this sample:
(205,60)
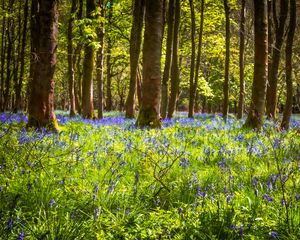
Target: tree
(279,28)
(257,107)
(288,66)
(100,60)
(149,111)
(242,62)
(195,82)
(135,46)
(108,60)
(44,33)
(174,68)
(166,74)
(71,76)
(227,61)
(88,67)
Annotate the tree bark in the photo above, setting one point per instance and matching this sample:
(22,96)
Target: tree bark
(276,54)
(166,74)
(88,67)
(242,63)
(100,61)
(149,111)
(195,84)
(288,66)
(18,103)
(3,48)
(193,53)
(227,62)
(71,76)
(44,35)
(135,46)
(257,108)
(109,103)
(174,67)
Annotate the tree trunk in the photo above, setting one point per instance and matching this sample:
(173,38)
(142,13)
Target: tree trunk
(257,108)
(288,66)
(195,84)
(242,63)
(88,67)
(193,53)
(100,61)
(276,54)
(227,62)
(44,35)
(174,67)
(149,111)
(108,65)
(135,46)
(18,104)
(3,48)
(166,74)
(71,77)
(139,87)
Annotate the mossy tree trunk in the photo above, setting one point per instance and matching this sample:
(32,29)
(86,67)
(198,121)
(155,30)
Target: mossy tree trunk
(166,74)
(279,27)
(149,114)
(88,67)
(257,108)
(288,66)
(44,29)
(100,61)
(175,66)
(227,61)
(135,46)
(241,106)
(71,76)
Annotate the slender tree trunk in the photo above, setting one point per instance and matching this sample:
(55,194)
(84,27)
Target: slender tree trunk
(166,74)
(139,87)
(135,46)
(242,63)
(279,39)
(257,108)
(109,103)
(149,111)
(193,53)
(3,48)
(44,35)
(88,67)
(288,66)
(71,76)
(227,61)
(100,61)
(195,84)
(174,67)
(18,104)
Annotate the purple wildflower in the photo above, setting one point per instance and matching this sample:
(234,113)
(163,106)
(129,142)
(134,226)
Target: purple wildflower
(9,223)
(127,212)
(158,201)
(241,231)
(274,235)
(297,197)
(283,202)
(21,235)
(270,199)
(136,178)
(96,213)
(256,192)
(52,202)
(233,226)
(265,196)
(179,210)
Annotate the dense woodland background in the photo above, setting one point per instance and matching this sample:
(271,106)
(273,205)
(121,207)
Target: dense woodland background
(207,60)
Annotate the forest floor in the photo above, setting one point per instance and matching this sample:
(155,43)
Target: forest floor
(193,179)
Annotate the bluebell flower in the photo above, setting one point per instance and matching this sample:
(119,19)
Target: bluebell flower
(158,201)
(297,197)
(96,213)
(265,196)
(274,235)
(233,226)
(21,235)
(127,212)
(256,192)
(96,188)
(270,199)
(73,216)
(9,224)
(52,202)
(23,171)
(283,202)
(179,210)
(241,231)
(136,178)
